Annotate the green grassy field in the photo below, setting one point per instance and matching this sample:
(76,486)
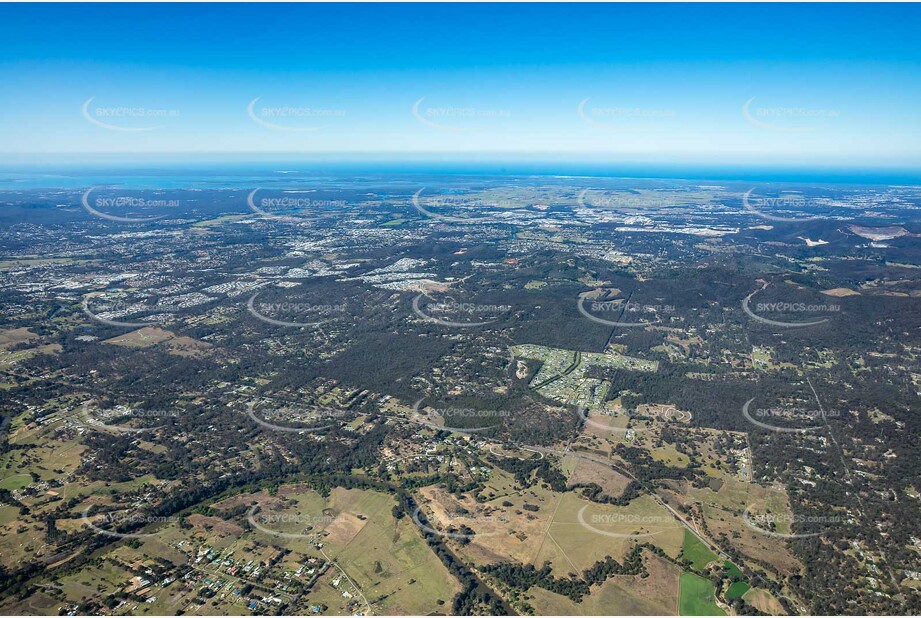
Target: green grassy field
(697,597)
(732,570)
(16,481)
(695,551)
(737,590)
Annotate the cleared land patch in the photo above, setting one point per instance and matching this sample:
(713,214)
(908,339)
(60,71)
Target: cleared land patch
(697,597)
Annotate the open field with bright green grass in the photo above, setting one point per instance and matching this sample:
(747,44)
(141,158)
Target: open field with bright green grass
(737,590)
(15,481)
(697,597)
(732,570)
(695,551)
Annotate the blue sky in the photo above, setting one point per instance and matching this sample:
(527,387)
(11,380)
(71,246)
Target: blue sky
(772,84)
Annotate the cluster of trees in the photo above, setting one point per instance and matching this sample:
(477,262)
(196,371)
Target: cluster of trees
(526,471)
(595,493)
(525,576)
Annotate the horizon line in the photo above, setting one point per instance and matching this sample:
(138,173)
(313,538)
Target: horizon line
(566,157)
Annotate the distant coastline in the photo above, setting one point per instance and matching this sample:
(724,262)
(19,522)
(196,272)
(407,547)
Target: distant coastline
(184,172)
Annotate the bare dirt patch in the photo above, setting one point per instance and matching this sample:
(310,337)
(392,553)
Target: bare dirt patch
(840,292)
(293,490)
(247,499)
(214,524)
(344,528)
(142,338)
